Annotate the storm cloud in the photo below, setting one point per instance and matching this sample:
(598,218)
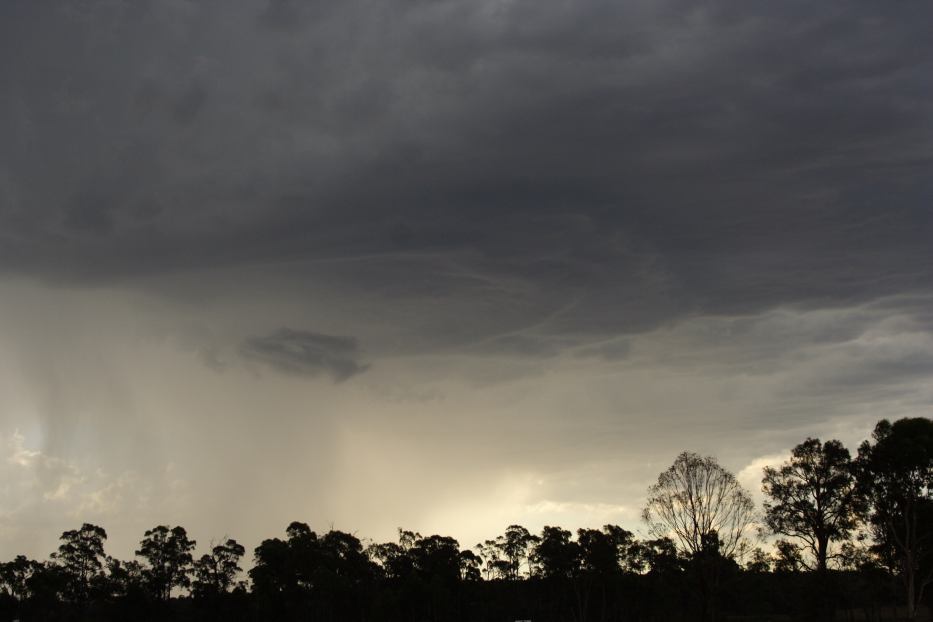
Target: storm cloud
(305,353)
(549,233)
(712,157)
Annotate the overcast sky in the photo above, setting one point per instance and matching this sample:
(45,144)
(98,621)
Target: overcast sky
(447,265)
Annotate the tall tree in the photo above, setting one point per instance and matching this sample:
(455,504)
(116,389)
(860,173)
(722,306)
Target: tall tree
(505,555)
(812,497)
(341,557)
(896,477)
(285,568)
(81,555)
(696,497)
(496,566)
(273,573)
(168,556)
(707,511)
(516,545)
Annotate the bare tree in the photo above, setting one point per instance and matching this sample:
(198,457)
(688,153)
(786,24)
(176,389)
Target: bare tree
(696,499)
(706,511)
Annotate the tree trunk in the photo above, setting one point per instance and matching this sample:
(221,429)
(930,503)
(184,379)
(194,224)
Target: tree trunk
(909,569)
(911,604)
(822,550)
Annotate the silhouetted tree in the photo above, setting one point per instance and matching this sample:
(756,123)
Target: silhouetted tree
(215,572)
(812,497)
(286,568)
(273,573)
(314,575)
(601,554)
(662,576)
(696,497)
(597,552)
(470,564)
(168,556)
(46,584)
(304,551)
(392,558)
(126,579)
(759,561)
(707,511)
(656,556)
(425,573)
(896,479)
(81,556)
(344,558)
(555,555)
(515,545)
(787,557)
(407,539)
(496,566)
(395,557)
(14,576)
(436,556)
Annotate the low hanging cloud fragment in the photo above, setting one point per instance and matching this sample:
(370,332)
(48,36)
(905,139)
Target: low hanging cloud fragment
(306,353)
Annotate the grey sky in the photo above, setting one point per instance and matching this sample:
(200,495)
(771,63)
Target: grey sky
(446,265)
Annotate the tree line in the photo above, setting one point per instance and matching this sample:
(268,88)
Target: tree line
(851,536)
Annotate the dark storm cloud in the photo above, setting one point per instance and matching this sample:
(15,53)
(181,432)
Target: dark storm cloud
(594,167)
(305,353)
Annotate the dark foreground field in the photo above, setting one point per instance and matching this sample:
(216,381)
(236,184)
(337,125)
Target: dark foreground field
(672,596)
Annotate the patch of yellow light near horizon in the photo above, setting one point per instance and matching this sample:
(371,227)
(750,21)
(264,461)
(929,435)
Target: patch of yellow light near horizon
(479,517)
(518,499)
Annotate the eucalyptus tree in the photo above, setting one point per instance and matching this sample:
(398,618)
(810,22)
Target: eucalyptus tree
(605,552)
(168,556)
(505,555)
(516,545)
(812,497)
(470,564)
(895,475)
(14,577)
(555,554)
(215,572)
(436,558)
(81,557)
